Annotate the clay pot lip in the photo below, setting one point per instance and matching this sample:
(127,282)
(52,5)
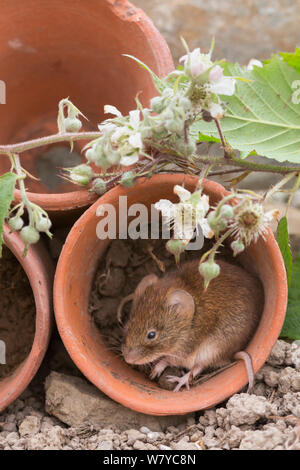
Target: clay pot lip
(40,271)
(216,389)
(81,198)
(61,202)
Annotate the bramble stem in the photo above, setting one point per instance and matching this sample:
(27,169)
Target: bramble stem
(50,139)
(21,176)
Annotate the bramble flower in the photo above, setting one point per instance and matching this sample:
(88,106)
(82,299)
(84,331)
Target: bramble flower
(251,222)
(186,216)
(196,63)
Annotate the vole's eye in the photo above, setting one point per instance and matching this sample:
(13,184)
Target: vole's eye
(151,334)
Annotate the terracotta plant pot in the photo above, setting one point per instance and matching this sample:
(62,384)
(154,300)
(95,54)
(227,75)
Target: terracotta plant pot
(39,270)
(53,50)
(76,267)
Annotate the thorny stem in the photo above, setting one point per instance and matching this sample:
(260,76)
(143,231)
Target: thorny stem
(227,154)
(252,166)
(50,139)
(211,253)
(21,176)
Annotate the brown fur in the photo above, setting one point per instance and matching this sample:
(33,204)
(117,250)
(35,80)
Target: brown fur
(227,313)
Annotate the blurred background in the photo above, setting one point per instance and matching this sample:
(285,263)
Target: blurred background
(242,29)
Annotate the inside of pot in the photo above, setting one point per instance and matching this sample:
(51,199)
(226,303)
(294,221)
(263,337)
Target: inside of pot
(17,315)
(55,50)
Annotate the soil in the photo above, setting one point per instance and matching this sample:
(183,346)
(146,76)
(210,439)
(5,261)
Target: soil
(17,313)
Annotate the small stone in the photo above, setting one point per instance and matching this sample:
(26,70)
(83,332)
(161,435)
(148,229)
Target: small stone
(12,438)
(262,440)
(139,445)
(163,447)
(11,427)
(184,445)
(144,430)
(30,425)
(153,436)
(105,445)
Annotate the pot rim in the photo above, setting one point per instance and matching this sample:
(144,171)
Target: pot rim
(39,270)
(167,402)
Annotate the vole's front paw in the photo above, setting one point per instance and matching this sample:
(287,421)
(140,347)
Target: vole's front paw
(181,381)
(158,369)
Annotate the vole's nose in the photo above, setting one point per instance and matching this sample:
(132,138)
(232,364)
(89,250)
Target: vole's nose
(130,355)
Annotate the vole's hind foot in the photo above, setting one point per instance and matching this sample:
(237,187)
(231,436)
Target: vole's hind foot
(181,381)
(244,356)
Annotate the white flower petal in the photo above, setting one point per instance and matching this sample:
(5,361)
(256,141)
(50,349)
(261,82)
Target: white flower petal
(206,230)
(253,62)
(135,140)
(182,193)
(225,86)
(128,160)
(108,109)
(216,110)
(106,127)
(183,58)
(134,118)
(119,132)
(216,74)
(166,207)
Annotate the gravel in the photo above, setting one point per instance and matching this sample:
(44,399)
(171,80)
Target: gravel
(268,419)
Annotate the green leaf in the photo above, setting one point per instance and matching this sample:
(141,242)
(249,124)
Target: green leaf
(158,82)
(292,58)
(284,245)
(207,138)
(291,326)
(7,186)
(261,116)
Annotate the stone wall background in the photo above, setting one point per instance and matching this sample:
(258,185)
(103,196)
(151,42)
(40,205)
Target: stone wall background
(242,29)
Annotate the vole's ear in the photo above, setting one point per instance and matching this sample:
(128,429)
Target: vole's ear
(143,284)
(183,300)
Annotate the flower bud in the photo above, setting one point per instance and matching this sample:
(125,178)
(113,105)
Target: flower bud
(209,270)
(175,125)
(81,174)
(83,170)
(91,154)
(43,224)
(217,224)
(157,104)
(226,211)
(127,179)
(99,186)
(237,247)
(79,179)
(29,235)
(176,247)
(72,124)
(15,223)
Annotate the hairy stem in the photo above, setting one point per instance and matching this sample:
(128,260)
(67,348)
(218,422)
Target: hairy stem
(50,139)
(21,176)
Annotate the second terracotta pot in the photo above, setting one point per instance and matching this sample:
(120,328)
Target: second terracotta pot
(73,280)
(40,270)
(56,49)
